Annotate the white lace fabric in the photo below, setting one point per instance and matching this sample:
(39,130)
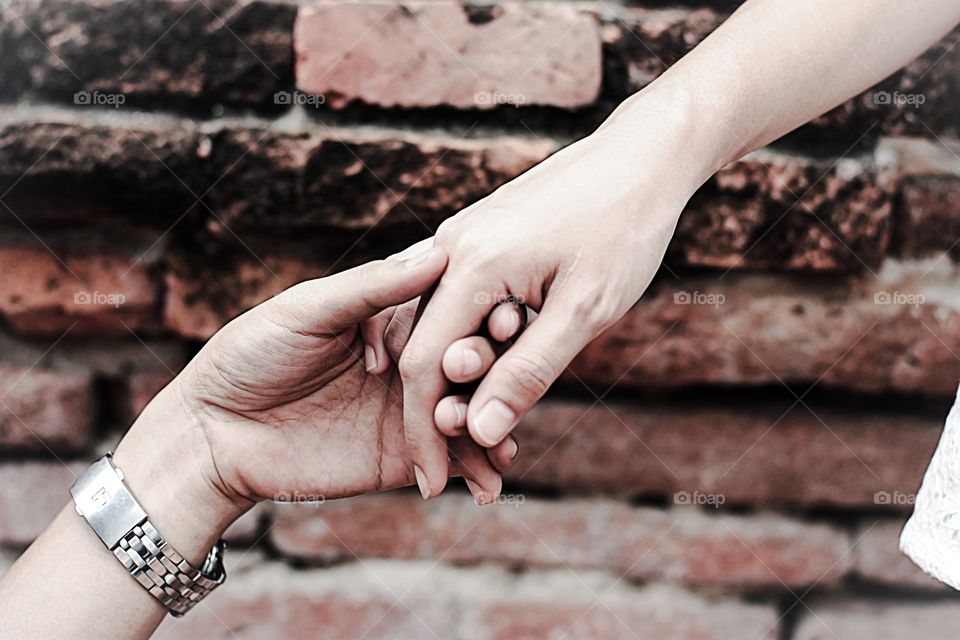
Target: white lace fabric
(931,537)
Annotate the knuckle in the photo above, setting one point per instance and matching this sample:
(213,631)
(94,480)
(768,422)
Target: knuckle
(530,374)
(594,310)
(412,363)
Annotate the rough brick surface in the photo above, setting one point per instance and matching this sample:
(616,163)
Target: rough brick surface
(877,557)
(928,176)
(201,299)
(42,409)
(764,453)
(127,166)
(897,331)
(784,211)
(31,494)
(353,179)
(640,44)
(175,50)
(380,600)
(682,545)
(49,291)
(880,620)
(425,54)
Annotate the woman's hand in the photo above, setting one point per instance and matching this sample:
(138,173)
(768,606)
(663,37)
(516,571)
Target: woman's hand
(578,238)
(285,406)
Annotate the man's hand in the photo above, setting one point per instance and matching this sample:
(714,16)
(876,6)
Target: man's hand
(288,409)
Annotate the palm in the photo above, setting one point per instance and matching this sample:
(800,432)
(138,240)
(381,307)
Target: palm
(303,405)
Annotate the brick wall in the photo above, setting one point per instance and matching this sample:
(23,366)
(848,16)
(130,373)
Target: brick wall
(734,459)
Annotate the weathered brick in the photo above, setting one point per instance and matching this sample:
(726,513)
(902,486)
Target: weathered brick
(44,409)
(764,453)
(877,557)
(354,179)
(681,545)
(379,599)
(201,298)
(928,179)
(897,331)
(130,167)
(788,211)
(48,291)
(425,54)
(178,51)
(639,44)
(31,494)
(879,620)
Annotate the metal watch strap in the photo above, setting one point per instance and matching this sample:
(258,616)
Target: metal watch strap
(103,499)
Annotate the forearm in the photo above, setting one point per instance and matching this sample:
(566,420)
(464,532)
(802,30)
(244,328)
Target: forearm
(68,584)
(776,64)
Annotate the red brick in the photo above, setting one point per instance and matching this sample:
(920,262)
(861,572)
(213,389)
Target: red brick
(202,298)
(765,453)
(31,494)
(215,51)
(879,620)
(48,293)
(425,54)
(128,168)
(928,174)
(774,210)
(897,332)
(338,182)
(42,409)
(682,545)
(416,600)
(877,557)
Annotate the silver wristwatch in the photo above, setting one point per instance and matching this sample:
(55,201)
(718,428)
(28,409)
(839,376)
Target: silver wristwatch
(102,498)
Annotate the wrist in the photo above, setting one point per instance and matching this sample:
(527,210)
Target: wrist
(167,464)
(686,130)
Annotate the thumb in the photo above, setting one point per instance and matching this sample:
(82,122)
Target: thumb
(340,301)
(523,374)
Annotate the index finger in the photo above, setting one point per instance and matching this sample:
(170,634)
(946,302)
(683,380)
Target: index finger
(450,313)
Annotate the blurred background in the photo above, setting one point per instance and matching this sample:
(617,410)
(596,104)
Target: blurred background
(734,459)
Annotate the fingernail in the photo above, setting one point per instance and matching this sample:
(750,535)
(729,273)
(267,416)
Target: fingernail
(418,259)
(479,495)
(511,448)
(471,362)
(461,409)
(422,482)
(494,422)
(370,358)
